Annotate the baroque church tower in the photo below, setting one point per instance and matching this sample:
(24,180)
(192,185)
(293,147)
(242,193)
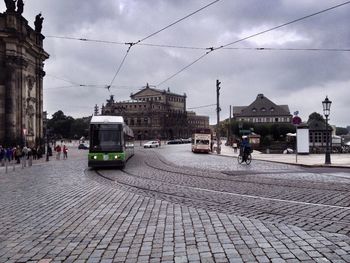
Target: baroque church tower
(21,77)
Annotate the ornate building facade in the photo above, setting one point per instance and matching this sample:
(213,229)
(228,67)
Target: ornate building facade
(21,77)
(153,113)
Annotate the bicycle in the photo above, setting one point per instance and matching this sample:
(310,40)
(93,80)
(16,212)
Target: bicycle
(247,159)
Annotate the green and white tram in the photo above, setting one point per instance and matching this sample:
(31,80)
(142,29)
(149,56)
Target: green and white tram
(111,142)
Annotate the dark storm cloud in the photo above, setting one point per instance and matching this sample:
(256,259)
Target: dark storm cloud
(300,79)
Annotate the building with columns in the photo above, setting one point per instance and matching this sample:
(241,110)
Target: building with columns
(152,113)
(21,78)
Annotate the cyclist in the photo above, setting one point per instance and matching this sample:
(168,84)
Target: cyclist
(245,148)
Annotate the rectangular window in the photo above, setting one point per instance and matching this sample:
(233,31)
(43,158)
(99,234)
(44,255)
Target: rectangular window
(318,137)
(106,137)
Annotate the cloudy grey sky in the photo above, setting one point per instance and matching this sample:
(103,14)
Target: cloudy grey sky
(301,79)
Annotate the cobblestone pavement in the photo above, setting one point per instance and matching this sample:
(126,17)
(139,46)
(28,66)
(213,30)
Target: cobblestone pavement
(172,206)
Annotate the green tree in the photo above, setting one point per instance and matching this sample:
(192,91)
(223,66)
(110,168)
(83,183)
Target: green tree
(60,125)
(315,116)
(79,128)
(341,131)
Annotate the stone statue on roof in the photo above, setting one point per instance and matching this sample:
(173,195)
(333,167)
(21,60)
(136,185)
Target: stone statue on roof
(10,5)
(20,5)
(38,23)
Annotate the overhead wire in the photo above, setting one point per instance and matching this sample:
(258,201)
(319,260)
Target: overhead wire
(155,33)
(284,24)
(60,87)
(177,21)
(63,79)
(75,84)
(205,48)
(183,69)
(119,68)
(211,48)
(204,106)
(251,36)
(87,40)
(290,49)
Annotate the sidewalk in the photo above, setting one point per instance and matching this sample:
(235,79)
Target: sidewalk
(73,152)
(313,160)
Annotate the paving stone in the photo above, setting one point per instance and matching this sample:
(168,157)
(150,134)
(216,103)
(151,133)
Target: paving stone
(63,212)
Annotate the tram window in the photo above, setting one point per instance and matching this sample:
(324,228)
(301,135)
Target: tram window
(106,137)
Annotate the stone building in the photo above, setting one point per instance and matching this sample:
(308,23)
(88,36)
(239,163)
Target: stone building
(197,121)
(154,113)
(21,77)
(262,110)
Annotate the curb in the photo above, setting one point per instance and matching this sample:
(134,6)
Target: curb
(295,164)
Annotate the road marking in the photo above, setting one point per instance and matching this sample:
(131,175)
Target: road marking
(268,198)
(248,196)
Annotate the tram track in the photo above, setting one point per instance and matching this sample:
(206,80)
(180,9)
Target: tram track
(240,208)
(309,205)
(227,177)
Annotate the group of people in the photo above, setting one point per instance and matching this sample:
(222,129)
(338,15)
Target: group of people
(59,149)
(18,152)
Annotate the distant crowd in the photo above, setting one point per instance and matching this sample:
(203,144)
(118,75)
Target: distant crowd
(18,153)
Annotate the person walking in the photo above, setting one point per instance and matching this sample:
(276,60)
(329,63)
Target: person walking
(58,152)
(18,153)
(2,156)
(65,152)
(9,154)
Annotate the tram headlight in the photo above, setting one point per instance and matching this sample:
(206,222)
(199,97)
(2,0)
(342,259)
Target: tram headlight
(116,157)
(95,157)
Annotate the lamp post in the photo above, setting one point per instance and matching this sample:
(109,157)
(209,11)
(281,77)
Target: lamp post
(326,110)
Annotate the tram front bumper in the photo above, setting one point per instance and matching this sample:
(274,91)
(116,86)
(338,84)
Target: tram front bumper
(109,163)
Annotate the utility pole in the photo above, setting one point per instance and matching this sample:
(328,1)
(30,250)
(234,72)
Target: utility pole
(218,142)
(229,129)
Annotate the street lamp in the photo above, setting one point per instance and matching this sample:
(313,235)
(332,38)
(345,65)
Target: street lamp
(326,110)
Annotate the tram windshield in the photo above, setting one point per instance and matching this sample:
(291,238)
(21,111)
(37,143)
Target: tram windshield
(106,137)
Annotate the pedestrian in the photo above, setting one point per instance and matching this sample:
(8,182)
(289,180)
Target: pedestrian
(18,153)
(25,151)
(34,153)
(2,156)
(65,152)
(58,152)
(24,156)
(8,154)
(30,156)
